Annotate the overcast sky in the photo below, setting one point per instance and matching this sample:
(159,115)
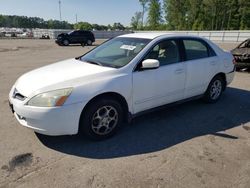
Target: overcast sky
(93,11)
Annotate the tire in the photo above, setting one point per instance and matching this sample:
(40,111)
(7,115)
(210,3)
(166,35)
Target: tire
(101,119)
(214,90)
(82,44)
(65,42)
(89,42)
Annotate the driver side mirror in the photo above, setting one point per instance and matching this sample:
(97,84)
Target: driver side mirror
(150,64)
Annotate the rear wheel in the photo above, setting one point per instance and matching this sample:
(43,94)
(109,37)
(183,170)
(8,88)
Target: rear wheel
(214,90)
(89,42)
(101,119)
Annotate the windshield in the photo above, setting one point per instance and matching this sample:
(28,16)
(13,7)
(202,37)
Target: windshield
(117,52)
(245,44)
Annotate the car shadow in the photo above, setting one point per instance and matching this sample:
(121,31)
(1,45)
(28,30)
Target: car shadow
(162,129)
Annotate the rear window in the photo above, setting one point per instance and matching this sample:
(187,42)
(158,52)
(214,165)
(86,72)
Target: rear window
(195,49)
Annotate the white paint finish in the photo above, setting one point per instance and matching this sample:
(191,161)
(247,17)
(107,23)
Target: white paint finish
(199,74)
(144,35)
(57,73)
(142,90)
(157,87)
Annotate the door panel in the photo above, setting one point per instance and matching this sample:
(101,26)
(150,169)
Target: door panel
(75,37)
(200,67)
(156,87)
(199,74)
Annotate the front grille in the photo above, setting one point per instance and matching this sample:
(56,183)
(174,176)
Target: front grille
(17,95)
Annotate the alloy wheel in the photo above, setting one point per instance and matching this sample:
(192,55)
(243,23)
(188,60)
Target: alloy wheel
(216,89)
(104,120)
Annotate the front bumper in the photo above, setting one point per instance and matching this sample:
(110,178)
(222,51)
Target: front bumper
(242,61)
(52,121)
(58,41)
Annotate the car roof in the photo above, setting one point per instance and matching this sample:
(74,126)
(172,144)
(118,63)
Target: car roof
(154,35)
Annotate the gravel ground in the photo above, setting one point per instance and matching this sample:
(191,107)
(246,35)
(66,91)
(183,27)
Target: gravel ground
(190,145)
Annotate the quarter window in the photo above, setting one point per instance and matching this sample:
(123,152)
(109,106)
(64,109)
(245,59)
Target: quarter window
(166,52)
(195,49)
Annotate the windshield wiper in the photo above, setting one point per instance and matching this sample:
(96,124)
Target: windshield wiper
(93,62)
(110,65)
(98,63)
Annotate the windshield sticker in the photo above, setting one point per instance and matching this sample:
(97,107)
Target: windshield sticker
(128,47)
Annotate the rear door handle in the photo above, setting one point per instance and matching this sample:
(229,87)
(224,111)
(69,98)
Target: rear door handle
(213,63)
(179,71)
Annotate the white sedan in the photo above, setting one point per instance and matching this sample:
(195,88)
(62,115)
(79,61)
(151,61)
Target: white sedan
(118,80)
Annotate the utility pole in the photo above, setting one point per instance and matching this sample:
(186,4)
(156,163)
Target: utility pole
(76,18)
(60,10)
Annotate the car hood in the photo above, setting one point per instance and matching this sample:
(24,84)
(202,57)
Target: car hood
(62,34)
(58,75)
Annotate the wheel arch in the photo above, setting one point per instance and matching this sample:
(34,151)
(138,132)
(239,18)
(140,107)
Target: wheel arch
(114,95)
(223,76)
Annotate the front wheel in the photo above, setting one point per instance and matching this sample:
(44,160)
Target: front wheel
(65,42)
(214,90)
(101,119)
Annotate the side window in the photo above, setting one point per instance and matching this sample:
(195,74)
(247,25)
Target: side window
(166,52)
(86,33)
(74,33)
(244,44)
(195,49)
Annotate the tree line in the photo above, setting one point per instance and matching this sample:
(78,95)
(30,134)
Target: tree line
(88,26)
(161,15)
(36,22)
(193,15)
(32,22)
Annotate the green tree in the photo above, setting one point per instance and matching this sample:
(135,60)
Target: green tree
(118,26)
(154,14)
(136,21)
(144,6)
(83,26)
(244,10)
(207,14)
(176,14)
(32,22)
(233,16)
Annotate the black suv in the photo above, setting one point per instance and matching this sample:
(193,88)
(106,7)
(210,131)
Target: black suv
(76,37)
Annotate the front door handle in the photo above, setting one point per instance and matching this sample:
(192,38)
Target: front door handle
(179,71)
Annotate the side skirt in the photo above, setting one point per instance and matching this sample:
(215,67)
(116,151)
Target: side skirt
(131,116)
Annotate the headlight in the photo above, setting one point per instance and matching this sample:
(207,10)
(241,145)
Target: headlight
(51,98)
